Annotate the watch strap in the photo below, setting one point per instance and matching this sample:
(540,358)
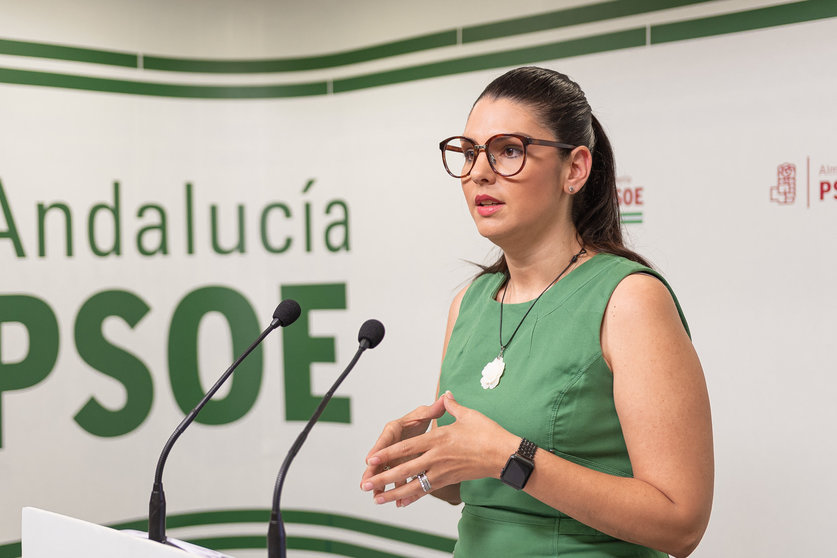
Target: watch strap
(527,449)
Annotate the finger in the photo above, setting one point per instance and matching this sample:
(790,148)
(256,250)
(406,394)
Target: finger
(373,467)
(379,467)
(377,491)
(403,495)
(397,476)
(425,412)
(397,484)
(437,408)
(390,435)
(372,470)
(405,450)
(404,502)
(378,483)
(452,406)
(411,424)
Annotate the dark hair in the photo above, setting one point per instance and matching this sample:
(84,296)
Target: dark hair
(561,106)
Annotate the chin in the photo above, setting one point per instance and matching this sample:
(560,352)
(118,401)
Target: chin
(490,231)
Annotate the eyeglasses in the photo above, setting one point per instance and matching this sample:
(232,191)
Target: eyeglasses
(506,153)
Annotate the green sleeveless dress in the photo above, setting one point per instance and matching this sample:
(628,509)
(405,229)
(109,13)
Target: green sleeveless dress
(557,391)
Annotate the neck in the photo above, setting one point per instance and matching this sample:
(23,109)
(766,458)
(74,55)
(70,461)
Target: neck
(531,270)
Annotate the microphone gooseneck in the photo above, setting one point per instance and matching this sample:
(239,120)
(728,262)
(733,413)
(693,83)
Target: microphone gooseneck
(285,314)
(370,335)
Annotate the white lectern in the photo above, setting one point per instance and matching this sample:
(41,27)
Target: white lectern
(51,535)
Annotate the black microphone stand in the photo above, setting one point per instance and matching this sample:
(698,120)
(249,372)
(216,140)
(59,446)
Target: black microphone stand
(285,314)
(371,333)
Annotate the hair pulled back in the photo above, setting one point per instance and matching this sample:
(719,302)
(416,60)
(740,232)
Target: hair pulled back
(561,106)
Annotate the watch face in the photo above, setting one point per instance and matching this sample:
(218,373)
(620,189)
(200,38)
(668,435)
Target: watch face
(517,471)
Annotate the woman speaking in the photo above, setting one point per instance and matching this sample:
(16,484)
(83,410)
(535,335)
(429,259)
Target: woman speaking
(572,417)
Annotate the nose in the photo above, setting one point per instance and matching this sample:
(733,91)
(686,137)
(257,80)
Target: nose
(482,171)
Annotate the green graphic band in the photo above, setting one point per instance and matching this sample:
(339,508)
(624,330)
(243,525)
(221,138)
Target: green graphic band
(748,20)
(239,542)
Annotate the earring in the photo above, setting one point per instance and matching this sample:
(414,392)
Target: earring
(572,189)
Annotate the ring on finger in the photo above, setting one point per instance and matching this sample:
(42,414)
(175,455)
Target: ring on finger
(424,482)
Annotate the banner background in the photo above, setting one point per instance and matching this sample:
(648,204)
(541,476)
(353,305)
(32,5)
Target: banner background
(699,127)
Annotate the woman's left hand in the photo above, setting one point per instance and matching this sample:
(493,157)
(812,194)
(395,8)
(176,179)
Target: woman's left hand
(472,447)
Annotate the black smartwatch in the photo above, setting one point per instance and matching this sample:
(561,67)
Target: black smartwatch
(520,465)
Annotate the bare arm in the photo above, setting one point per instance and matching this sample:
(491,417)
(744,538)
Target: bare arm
(663,406)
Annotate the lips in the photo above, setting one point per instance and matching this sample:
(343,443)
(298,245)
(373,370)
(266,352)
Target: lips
(486,205)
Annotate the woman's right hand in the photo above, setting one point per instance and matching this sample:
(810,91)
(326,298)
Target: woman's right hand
(414,423)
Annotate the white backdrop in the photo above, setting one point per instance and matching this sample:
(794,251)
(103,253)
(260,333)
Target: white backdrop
(699,128)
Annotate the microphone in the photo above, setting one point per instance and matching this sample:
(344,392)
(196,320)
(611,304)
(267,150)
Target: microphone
(285,314)
(370,335)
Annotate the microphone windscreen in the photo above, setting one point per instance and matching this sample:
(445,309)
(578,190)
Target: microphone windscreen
(287,312)
(372,331)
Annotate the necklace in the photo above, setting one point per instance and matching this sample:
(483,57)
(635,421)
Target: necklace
(492,371)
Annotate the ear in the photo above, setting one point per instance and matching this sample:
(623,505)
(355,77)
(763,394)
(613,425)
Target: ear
(580,161)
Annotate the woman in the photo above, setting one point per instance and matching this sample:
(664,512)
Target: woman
(588,432)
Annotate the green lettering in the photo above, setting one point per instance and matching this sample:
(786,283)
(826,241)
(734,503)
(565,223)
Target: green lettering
(115,362)
(11,229)
(42,329)
(68,227)
(301,350)
(265,241)
(190,220)
(183,354)
(214,222)
(305,189)
(115,211)
(160,227)
(336,226)
(307,227)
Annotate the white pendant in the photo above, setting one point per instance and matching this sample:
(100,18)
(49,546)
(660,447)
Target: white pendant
(492,372)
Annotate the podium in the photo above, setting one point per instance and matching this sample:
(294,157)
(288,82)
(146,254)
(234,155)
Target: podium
(46,534)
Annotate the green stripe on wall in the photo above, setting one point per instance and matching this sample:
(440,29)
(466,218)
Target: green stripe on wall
(85,83)
(631,217)
(338,521)
(749,20)
(392,532)
(566,18)
(564,49)
(337,547)
(326,546)
(552,20)
(377,52)
(791,13)
(201,518)
(591,13)
(540,22)
(230,542)
(75,54)
(528,55)
(242,542)
(10,550)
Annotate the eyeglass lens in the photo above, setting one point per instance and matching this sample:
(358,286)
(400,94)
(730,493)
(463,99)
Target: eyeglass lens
(506,155)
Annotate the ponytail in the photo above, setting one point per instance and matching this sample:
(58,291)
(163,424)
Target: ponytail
(595,211)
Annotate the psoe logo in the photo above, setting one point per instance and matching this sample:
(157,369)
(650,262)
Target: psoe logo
(816,182)
(784,192)
(631,200)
